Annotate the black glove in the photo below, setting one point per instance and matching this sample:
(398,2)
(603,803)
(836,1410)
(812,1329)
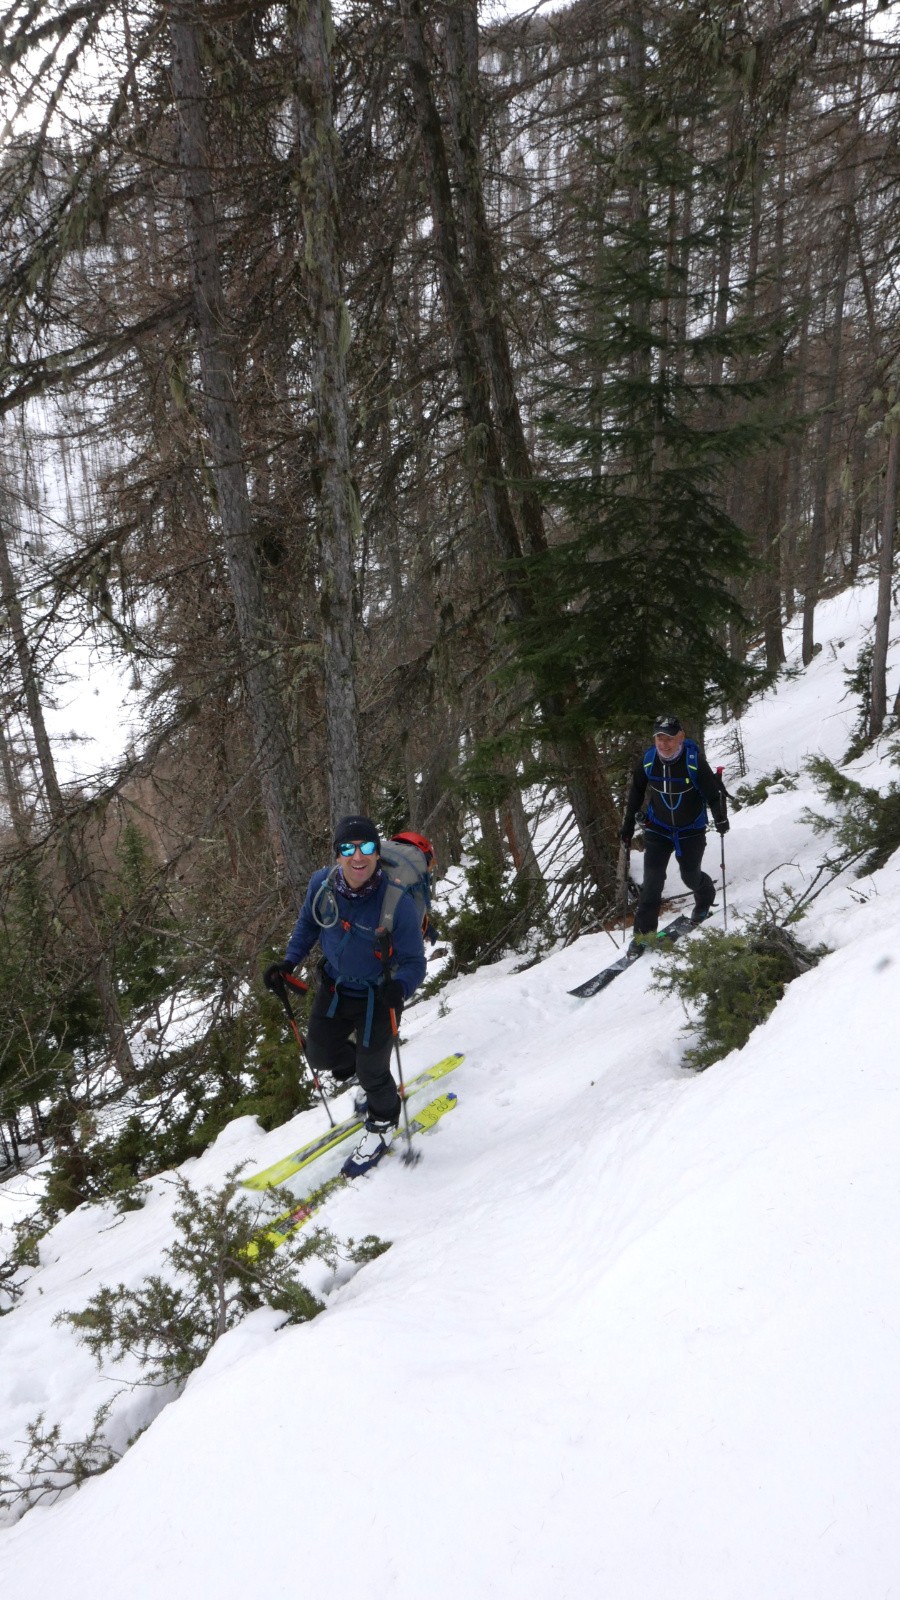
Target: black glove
(393,994)
(722,824)
(627,831)
(274,976)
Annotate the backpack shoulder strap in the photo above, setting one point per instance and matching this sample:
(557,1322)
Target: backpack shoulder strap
(649,758)
(392,897)
(325,907)
(692,760)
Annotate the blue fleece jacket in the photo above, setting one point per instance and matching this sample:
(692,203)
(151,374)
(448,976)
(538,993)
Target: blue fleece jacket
(351,954)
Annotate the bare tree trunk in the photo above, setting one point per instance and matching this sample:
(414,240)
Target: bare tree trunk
(13,788)
(815,560)
(775,469)
(483,283)
(858,493)
(483,455)
(586,784)
(329,337)
(76,870)
(815,554)
(793,496)
(518,833)
(878,701)
(36,1124)
(491,837)
(769,591)
(277,776)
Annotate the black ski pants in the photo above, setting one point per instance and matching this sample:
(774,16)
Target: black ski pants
(658,848)
(331,1049)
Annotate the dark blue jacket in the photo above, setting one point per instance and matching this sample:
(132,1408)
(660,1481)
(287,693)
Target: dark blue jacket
(349,947)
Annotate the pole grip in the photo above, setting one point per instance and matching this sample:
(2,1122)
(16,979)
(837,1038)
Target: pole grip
(302,988)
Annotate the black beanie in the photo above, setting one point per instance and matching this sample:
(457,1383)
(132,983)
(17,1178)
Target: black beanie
(360,828)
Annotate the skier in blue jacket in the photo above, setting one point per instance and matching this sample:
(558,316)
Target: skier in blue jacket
(365,973)
(679,791)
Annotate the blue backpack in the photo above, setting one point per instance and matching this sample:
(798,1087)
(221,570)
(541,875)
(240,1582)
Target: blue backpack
(692,761)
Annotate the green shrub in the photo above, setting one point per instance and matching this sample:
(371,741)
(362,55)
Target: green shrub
(51,1464)
(499,913)
(171,1322)
(247,1064)
(86,1166)
(868,828)
(25,1254)
(753,794)
(859,683)
(731,982)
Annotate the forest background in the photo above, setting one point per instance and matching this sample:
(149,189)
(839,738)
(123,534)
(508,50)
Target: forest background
(414,406)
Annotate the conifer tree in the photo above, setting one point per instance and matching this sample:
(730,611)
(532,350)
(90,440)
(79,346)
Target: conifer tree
(645,416)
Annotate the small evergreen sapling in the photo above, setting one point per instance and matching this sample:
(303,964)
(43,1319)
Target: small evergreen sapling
(171,1322)
(497,915)
(223,1265)
(24,1254)
(753,794)
(51,1465)
(867,828)
(729,983)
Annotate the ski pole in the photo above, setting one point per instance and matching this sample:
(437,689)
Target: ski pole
(624,859)
(302,988)
(719,771)
(411,1156)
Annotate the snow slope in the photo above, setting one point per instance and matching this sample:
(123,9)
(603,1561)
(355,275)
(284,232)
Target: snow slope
(639,1331)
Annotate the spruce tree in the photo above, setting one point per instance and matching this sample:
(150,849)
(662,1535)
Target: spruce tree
(647,410)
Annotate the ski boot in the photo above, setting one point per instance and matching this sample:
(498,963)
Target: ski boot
(375,1143)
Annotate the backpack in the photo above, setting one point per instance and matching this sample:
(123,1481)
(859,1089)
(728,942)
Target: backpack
(692,761)
(691,758)
(407,861)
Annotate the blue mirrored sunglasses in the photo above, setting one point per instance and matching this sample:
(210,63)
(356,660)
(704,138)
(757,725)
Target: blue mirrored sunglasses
(367,848)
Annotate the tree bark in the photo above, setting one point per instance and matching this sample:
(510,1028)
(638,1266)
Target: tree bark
(277,777)
(76,870)
(483,283)
(815,553)
(878,702)
(13,789)
(858,494)
(515,826)
(329,337)
(491,837)
(775,468)
(586,784)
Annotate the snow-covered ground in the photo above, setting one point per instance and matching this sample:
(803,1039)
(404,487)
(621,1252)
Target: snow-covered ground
(639,1331)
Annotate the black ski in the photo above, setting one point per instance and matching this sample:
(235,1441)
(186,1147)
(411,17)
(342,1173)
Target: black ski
(672,930)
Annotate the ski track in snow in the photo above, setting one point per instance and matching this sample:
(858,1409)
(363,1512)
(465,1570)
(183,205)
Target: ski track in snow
(638,1334)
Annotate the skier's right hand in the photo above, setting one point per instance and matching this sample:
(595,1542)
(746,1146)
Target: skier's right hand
(274,976)
(393,994)
(626,833)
